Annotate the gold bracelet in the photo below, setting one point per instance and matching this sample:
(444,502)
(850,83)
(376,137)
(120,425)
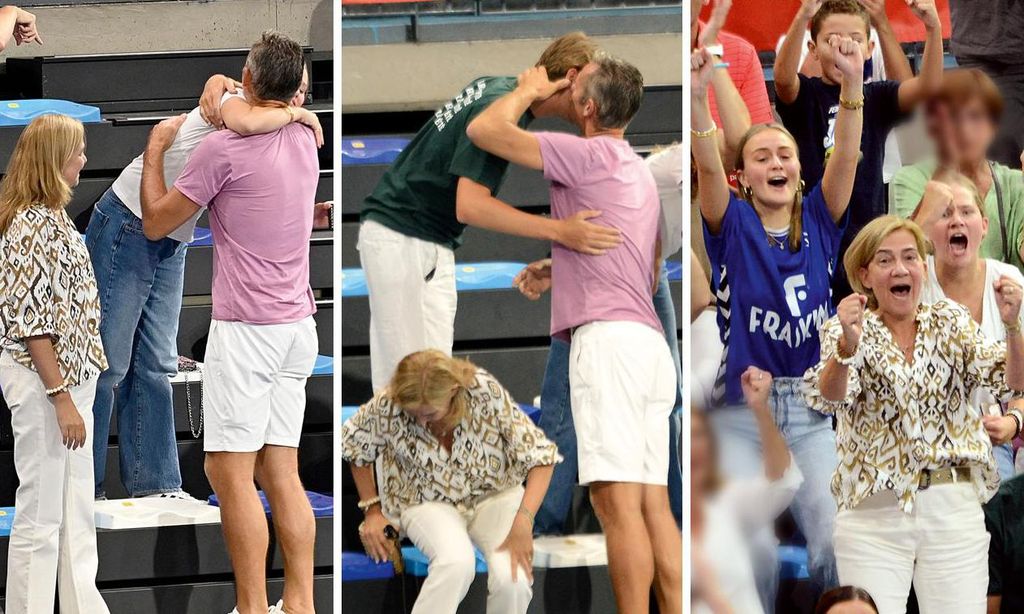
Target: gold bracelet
(528,514)
(852,105)
(1012,329)
(291,112)
(703,134)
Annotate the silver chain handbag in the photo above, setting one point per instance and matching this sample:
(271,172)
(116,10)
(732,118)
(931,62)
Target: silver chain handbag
(186,367)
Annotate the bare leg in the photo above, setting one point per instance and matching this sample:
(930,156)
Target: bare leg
(667,546)
(244,524)
(277,471)
(630,559)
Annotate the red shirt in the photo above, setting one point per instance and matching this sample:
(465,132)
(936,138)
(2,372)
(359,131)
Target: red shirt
(746,73)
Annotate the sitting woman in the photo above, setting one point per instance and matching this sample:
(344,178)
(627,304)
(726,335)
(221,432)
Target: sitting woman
(51,356)
(953,217)
(915,460)
(454,451)
(962,120)
(726,515)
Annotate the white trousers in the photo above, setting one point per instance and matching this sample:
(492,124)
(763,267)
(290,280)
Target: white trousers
(446,535)
(411,284)
(941,547)
(53,539)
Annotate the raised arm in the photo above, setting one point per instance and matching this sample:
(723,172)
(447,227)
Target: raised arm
(897,66)
(835,376)
(17,23)
(733,113)
(929,80)
(787,60)
(837,182)
(712,182)
(496,129)
(757,386)
(1008,298)
(162,210)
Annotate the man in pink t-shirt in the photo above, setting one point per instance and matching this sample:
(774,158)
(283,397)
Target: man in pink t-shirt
(621,374)
(259,191)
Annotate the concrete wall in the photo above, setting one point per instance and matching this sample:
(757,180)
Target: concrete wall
(174,26)
(420,76)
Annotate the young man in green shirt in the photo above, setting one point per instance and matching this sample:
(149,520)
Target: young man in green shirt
(441,182)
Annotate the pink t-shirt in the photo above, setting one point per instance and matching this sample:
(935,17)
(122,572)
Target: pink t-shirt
(260,191)
(604,174)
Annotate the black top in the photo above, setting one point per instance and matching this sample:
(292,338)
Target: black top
(1005,523)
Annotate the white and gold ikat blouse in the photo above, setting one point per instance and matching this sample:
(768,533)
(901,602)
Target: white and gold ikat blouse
(47,287)
(898,419)
(493,448)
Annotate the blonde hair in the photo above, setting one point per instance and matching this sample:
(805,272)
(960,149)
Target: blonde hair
(35,173)
(430,377)
(954,178)
(866,244)
(796,217)
(573,50)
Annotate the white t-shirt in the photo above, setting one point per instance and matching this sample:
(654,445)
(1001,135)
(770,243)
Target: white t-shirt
(739,511)
(991,323)
(891,162)
(667,168)
(128,185)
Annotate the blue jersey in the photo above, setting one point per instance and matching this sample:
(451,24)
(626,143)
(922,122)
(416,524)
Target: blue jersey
(771,301)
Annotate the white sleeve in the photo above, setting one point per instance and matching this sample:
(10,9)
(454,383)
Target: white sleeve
(758,502)
(667,168)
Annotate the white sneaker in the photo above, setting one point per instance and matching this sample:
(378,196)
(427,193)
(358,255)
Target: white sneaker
(235,611)
(277,609)
(179,494)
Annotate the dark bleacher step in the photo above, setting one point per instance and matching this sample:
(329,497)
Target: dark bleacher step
(483,315)
(199,265)
(522,187)
(90,189)
(316,454)
(520,370)
(194,329)
(212,597)
(319,414)
(478,245)
(186,552)
(161,81)
(571,590)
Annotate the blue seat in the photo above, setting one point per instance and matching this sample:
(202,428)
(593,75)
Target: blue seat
(793,563)
(324,365)
(6,520)
(202,237)
(371,150)
(416,562)
(22,112)
(675,270)
(469,276)
(323,505)
(347,411)
(531,411)
(356,566)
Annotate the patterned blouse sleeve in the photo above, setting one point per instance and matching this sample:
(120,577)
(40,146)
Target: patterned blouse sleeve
(28,277)
(362,435)
(985,358)
(525,444)
(830,334)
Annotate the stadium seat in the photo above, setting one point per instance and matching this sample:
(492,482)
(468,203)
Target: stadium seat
(416,562)
(793,563)
(356,566)
(370,150)
(22,112)
(468,277)
(323,505)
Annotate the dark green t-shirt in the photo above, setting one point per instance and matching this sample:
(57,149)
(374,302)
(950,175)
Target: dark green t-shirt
(416,196)
(1005,523)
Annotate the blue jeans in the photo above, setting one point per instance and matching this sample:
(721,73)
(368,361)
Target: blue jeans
(556,422)
(1004,461)
(140,284)
(812,441)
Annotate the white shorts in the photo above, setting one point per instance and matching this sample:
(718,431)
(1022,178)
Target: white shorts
(254,384)
(622,384)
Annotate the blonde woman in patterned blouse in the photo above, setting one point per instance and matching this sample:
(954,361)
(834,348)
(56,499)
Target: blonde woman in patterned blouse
(51,356)
(915,460)
(453,451)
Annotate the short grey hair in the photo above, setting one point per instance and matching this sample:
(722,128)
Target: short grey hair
(617,88)
(275,63)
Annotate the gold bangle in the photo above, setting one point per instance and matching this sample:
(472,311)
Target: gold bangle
(527,513)
(703,134)
(1012,329)
(291,112)
(852,105)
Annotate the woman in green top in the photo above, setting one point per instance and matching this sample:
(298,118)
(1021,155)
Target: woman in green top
(963,119)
